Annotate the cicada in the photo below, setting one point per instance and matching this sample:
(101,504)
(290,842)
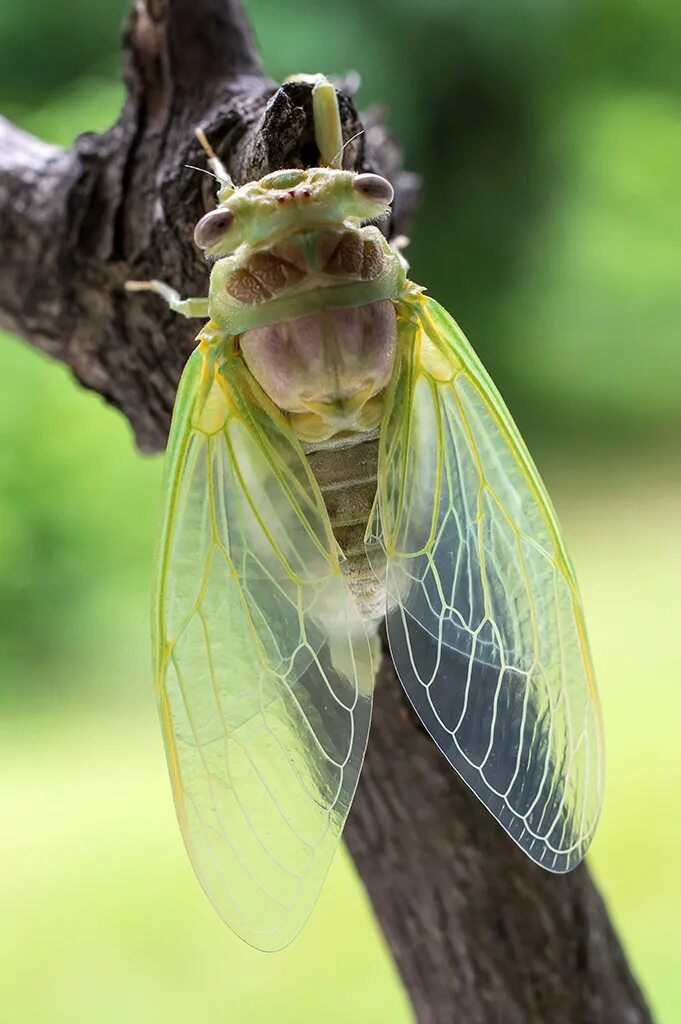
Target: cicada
(339,456)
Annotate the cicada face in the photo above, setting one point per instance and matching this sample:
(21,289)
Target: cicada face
(287,202)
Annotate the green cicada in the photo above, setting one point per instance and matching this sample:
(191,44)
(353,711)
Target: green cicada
(338,455)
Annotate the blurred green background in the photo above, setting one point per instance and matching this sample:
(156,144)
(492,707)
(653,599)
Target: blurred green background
(548,133)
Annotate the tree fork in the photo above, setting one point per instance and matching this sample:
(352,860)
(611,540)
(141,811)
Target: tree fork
(479,933)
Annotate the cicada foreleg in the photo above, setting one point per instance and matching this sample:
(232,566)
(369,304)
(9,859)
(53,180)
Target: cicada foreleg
(194,306)
(328,129)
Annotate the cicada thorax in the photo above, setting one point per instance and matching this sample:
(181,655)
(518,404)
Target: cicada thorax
(322,347)
(326,368)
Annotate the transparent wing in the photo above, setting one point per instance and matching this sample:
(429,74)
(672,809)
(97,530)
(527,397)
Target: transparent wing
(484,617)
(264,672)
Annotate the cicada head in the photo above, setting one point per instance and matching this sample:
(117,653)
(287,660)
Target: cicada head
(289,202)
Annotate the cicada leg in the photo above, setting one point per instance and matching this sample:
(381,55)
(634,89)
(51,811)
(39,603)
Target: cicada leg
(214,162)
(195,306)
(328,131)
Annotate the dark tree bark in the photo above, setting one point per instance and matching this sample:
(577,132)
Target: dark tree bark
(480,934)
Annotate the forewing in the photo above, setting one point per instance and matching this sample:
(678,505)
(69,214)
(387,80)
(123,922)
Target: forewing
(264,671)
(484,618)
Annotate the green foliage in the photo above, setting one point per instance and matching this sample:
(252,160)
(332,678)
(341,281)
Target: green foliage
(597,310)
(548,133)
(77,507)
(47,45)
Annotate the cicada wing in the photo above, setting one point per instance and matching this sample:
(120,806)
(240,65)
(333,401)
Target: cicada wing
(264,670)
(484,617)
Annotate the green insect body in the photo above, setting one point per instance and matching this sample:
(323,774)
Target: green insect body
(339,455)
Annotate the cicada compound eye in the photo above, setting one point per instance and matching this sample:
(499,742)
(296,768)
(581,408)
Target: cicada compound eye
(373,186)
(213,227)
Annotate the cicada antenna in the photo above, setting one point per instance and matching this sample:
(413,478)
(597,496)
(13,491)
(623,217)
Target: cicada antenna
(201,170)
(214,162)
(339,155)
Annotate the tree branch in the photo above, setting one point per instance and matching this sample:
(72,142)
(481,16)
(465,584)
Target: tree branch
(479,933)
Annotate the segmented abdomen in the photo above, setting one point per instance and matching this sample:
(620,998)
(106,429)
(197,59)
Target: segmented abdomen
(347,476)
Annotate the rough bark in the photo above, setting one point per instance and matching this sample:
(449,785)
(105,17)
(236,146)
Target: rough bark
(480,935)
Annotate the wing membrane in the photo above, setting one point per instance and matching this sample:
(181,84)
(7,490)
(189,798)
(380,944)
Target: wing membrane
(484,617)
(264,672)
